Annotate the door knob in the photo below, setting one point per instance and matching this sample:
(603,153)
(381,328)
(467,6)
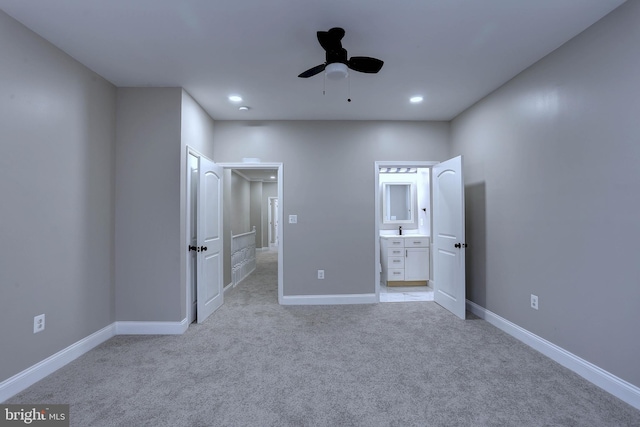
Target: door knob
(193,248)
(203,248)
(460,245)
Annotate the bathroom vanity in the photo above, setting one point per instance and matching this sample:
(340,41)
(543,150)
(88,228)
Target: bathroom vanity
(405,260)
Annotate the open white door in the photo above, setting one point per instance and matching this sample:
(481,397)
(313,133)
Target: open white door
(209,252)
(448,236)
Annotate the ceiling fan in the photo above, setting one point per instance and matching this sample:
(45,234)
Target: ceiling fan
(336,62)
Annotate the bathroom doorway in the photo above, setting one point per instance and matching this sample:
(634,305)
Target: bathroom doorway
(404,212)
(430,249)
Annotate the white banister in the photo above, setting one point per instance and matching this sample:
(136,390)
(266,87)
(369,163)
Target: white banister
(243,255)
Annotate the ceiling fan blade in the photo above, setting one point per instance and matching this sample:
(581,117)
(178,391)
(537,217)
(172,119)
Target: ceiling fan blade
(312,71)
(330,40)
(365,64)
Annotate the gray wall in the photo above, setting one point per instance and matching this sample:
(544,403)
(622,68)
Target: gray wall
(57,122)
(148,258)
(196,128)
(154,127)
(552,181)
(329,184)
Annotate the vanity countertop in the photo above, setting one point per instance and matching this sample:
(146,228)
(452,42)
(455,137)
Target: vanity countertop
(395,236)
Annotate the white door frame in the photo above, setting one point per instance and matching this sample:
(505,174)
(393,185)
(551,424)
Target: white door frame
(381,164)
(188,214)
(280,168)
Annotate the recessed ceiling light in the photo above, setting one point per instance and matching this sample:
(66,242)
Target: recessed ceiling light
(415,99)
(243,108)
(235,98)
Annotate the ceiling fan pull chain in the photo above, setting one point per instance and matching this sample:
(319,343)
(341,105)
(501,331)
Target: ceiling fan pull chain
(349,87)
(324,83)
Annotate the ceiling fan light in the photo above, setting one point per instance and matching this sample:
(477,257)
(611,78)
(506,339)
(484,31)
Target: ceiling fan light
(336,71)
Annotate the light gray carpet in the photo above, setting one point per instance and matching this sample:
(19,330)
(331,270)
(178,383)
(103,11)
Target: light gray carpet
(255,363)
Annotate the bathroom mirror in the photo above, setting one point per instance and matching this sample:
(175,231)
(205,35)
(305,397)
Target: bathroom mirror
(398,201)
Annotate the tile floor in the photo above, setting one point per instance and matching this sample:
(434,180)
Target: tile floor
(405,293)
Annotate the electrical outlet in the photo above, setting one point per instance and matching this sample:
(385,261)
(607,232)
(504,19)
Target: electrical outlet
(293,219)
(320,274)
(38,324)
(534,301)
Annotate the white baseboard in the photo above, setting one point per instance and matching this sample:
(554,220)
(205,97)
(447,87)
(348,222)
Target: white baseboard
(616,386)
(35,373)
(151,328)
(329,299)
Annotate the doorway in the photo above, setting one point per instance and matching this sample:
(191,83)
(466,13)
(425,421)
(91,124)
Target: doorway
(420,240)
(405,210)
(194,203)
(255,173)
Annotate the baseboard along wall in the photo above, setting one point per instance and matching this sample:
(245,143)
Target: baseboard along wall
(329,299)
(618,387)
(35,373)
(152,328)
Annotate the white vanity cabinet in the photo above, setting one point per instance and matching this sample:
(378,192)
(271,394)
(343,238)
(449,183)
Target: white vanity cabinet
(405,260)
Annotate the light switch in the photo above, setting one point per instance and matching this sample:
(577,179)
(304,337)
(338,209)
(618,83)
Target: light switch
(293,219)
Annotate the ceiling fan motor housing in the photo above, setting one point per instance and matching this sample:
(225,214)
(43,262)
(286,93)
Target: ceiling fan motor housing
(336,64)
(336,71)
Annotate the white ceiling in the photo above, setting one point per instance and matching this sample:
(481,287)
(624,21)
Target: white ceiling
(452,52)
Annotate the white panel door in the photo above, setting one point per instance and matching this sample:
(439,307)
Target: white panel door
(209,230)
(448,231)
